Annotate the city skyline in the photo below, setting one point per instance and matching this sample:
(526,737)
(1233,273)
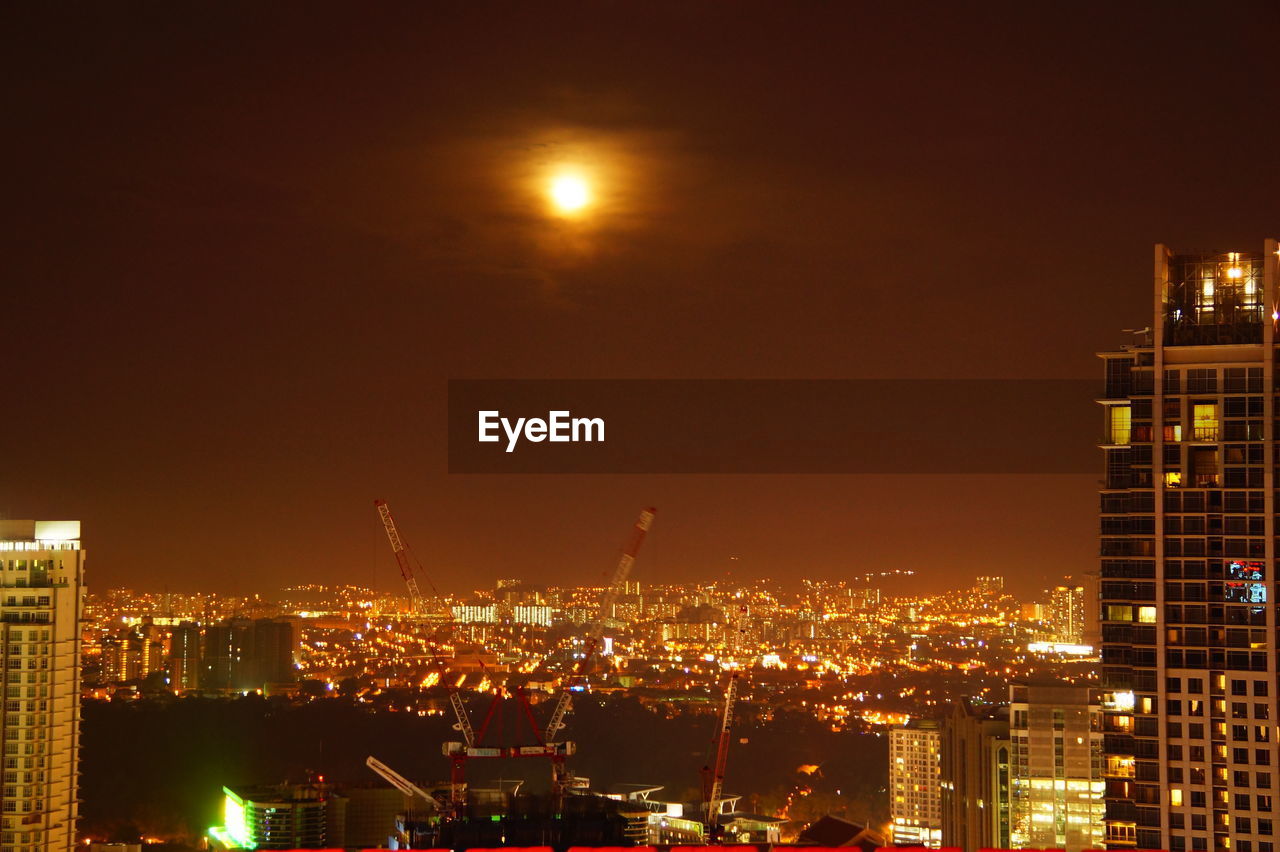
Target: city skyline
(570,424)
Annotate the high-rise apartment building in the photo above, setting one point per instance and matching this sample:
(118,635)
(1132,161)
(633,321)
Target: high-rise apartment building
(1187,571)
(1065,614)
(991,586)
(538,616)
(41,604)
(475,614)
(1055,767)
(915,792)
(241,654)
(184,656)
(975,779)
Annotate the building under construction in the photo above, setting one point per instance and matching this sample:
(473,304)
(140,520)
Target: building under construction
(624,815)
(466,815)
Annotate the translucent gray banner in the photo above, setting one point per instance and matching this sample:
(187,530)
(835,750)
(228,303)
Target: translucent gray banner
(774,426)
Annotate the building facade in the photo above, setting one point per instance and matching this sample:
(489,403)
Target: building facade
(1055,768)
(915,791)
(288,816)
(242,654)
(41,606)
(1187,560)
(1065,614)
(184,656)
(975,780)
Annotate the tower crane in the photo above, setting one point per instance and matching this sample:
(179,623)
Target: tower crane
(473,747)
(713,775)
(417,606)
(616,583)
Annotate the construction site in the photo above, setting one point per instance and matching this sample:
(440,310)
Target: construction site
(546,804)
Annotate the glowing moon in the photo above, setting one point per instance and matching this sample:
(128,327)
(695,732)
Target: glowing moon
(570,193)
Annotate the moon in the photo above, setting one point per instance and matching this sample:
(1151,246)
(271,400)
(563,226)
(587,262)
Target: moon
(570,193)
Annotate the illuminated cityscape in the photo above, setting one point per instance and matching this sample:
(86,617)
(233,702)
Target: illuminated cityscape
(852,657)
(849,654)
(676,427)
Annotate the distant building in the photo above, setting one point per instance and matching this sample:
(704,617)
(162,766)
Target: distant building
(289,816)
(915,792)
(864,598)
(1056,785)
(132,654)
(1065,614)
(975,777)
(244,655)
(184,656)
(538,616)
(991,586)
(41,605)
(832,831)
(472,614)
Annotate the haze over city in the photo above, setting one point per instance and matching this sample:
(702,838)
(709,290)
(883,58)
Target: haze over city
(258,240)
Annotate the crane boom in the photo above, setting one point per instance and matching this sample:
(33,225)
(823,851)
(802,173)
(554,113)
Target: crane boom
(464,721)
(395,779)
(402,555)
(716,793)
(713,778)
(616,584)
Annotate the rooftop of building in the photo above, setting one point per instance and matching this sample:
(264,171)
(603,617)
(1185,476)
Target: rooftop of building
(31,530)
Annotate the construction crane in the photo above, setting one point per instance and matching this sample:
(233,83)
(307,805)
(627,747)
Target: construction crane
(459,753)
(398,547)
(616,583)
(404,785)
(713,775)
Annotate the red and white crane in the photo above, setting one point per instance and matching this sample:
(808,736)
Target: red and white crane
(713,775)
(616,584)
(401,551)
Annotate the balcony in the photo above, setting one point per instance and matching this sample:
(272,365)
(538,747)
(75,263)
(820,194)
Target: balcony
(1205,432)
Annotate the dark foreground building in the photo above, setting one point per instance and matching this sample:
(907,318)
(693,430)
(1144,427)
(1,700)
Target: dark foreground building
(1188,546)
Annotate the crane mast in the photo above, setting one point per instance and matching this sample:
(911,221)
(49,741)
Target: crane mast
(713,776)
(715,792)
(402,556)
(616,584)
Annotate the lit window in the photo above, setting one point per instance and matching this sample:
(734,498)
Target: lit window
(1175,798)
(1120,424)
(1205,421)
(1172,479)
(1147,614)
(1119,612)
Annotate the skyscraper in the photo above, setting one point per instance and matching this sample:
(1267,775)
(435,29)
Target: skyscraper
(1055,778)
(915,792)
(241,655)
(991,586)
(1066,614)
(1187,571)
(184,656)
(975,776)
(41,603)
